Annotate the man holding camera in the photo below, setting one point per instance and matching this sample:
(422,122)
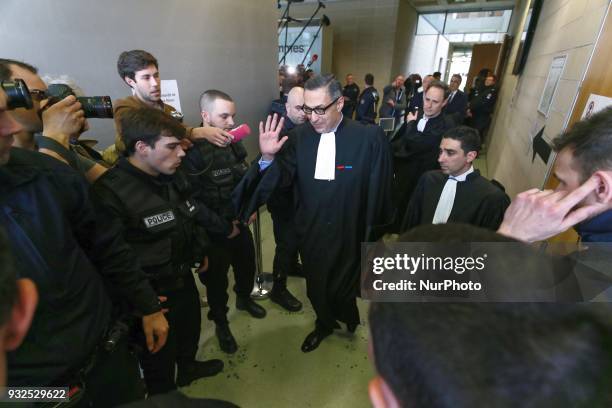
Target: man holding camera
(161,220)
(74,257)
(140,71)
(59,122)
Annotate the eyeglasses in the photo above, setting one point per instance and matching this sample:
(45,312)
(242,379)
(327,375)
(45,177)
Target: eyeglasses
(319,111)
(38,94)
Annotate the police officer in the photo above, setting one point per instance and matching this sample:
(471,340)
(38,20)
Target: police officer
(481,105)
(368,102)
(160,220)
(215,171)
(350,92)
(282,210)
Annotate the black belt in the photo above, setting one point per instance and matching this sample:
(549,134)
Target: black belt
(174,282)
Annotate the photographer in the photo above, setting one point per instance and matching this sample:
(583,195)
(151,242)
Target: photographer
(74,256)
(59,123)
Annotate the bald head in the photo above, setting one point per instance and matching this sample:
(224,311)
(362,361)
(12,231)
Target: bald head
(295,100)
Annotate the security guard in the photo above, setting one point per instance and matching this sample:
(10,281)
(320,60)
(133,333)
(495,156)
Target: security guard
(368,102)
(161,220)
(481,105)
(214,171)
(350,92)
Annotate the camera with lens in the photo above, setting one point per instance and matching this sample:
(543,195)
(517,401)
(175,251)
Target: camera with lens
(94,106)
(17,93)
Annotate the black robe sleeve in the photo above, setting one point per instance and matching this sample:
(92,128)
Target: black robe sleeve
(380,207)
(413,214)
(257,186)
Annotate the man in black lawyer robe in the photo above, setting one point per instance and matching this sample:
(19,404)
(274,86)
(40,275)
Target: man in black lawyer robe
(457,193)
(341,172)
(415,145)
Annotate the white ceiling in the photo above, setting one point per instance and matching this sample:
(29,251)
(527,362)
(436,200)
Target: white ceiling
(424,6)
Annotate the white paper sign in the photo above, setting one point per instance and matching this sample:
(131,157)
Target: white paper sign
(595,104)
(170,93)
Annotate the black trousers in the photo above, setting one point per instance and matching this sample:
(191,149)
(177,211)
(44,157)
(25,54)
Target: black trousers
(286,252)
(239,252)
(114,380)
(184,319)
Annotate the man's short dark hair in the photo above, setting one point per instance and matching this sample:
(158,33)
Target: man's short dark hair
(591,142)
(327,81)
(467,136)
(5,68)
(208,98)
(130,62)
(8,279)
(369,79)
(515,354)
(440,85)
(437,75)
(148,125)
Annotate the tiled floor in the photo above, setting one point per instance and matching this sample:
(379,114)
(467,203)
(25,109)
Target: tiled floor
(269,370)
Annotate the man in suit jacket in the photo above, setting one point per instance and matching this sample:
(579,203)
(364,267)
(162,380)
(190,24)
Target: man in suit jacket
(457,100)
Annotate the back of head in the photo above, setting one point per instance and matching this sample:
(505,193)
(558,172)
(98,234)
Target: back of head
(130,62)
(443,355)
(467,136)
(591,142)
(5,68)
(208,98)
(328,82)
(439,355)
(369,79)
(148,125)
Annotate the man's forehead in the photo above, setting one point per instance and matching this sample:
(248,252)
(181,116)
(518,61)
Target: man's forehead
(221,106)
(316,97)
(435,93)
(150,70)
(450,144)
(32,80)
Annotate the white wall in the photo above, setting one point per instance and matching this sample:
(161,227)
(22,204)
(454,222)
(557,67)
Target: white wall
(229,45)
(565,27)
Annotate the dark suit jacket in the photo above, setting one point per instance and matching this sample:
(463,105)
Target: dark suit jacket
(457,106)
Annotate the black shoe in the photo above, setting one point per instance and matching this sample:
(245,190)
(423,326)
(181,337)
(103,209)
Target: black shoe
(285,299)
(189,372)
(227,343)
(250,306)
(313,340)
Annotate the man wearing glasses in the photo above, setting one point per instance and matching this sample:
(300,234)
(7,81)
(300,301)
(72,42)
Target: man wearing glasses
(342,171)
(59,124)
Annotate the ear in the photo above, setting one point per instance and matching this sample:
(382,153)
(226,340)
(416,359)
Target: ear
(381,395)
(141,148)
(603,192)
(21,314)
(205,117)
(340,104)
(129,81)
(471,156)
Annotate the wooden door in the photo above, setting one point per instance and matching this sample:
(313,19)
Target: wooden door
(483,56)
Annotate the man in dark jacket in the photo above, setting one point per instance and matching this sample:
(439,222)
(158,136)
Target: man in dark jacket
(73,255)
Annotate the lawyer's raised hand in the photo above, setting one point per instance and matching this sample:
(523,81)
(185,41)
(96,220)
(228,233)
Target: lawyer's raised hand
(269,142)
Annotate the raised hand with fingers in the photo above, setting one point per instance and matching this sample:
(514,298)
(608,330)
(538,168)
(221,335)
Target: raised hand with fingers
(269,142)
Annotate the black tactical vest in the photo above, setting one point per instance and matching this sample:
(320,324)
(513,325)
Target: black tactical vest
(162,233)
(221,170)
